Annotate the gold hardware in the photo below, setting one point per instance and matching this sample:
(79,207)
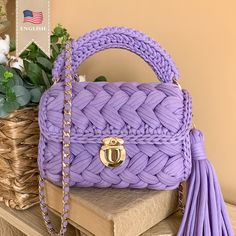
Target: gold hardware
(112,152)
(175,81)
(67,122)
(56,80)
(181,198)
(68,76)
(66,145)
(66,155)
(66,134)
(68,92)
(193,124)
(65,165)
(66,174)
(68,102)
(69,84)
(67,112)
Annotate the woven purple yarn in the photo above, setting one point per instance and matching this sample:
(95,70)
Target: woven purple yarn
(205,211)
(120,37)
(153,119)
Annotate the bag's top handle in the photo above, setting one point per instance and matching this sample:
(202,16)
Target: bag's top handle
(118,37)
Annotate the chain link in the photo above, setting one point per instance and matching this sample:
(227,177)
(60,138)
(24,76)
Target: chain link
(65,154)
(181,198)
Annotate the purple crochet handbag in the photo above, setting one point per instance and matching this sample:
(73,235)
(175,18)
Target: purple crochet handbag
(126,135)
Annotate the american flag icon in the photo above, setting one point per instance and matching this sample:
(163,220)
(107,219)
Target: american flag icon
(33,17)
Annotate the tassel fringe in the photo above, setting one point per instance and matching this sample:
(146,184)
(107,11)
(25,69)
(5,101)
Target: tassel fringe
(205,211)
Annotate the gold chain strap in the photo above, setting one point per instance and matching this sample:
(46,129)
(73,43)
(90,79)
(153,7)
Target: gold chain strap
(65,154)
(181,198)
(66,157)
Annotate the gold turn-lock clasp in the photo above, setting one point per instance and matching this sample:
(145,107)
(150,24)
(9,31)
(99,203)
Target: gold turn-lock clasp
(112,152)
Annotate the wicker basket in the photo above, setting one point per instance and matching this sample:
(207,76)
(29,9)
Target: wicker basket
(19,134)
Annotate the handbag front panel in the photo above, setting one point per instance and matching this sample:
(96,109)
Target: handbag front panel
(153,120)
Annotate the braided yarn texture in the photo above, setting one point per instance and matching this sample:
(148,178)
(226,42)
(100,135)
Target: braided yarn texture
(154,120)
(124,38)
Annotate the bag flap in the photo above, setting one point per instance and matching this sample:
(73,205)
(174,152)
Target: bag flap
(138,112)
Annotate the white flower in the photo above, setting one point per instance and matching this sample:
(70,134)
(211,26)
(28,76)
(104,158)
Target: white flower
(82,78)
(5,45)
(4,49)
(3,59)
(17,63)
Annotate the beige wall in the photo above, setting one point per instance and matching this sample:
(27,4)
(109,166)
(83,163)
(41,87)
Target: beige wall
(201,36)
(11,14)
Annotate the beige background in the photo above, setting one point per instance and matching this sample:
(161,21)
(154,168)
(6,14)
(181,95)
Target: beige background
(200,35)
(11,6)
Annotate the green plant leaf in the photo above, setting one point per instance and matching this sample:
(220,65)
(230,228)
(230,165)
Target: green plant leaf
(2,99)
(42,54)
(3,81)
(34,72)
(100,79)
(9,107)
(16,80)
(2,70)
(24,54)
(28,85)
(10,94)
(12,45)
(17,87)
(36,94)
(8,78)
(22,95)
(55,47)
(46,63)
(32,47)
(8,74)
(54,39)
(32,52)
(17,76)
(46,79)
(58,31)
(32,56)
(3,113)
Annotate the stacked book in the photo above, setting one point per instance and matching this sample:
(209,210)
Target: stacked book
(115,212)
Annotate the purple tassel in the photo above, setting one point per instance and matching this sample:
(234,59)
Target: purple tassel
(205,211)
